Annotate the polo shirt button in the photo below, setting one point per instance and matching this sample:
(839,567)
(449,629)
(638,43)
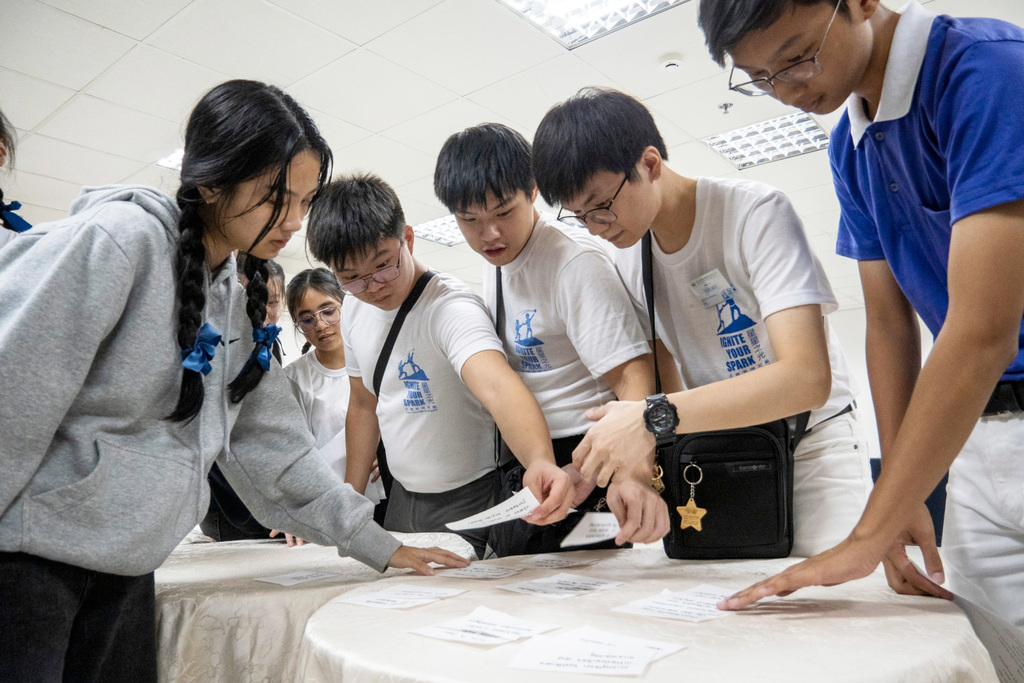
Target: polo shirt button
(879,136)
(894,187)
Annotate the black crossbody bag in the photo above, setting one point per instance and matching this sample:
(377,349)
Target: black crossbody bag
(382,363)
(730,491)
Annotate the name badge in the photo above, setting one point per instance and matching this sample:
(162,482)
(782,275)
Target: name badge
(712,288)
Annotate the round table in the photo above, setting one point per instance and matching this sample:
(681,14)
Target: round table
(216,622)
(860,631)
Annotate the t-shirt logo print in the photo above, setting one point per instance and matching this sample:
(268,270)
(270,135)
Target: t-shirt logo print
(738,339)
(419,398)
(529,349)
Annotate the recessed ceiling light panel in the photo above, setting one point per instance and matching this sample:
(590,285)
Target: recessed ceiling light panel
(442,230)
(767,141)
(575,22)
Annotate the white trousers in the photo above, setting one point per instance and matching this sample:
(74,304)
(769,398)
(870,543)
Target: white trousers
(983,535)
(831,480)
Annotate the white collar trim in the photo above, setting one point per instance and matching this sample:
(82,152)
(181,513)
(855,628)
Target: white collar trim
(906,54)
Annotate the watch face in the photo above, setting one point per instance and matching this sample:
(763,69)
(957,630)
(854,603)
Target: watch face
(662,418)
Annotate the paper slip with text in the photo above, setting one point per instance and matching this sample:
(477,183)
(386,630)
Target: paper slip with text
(545,653)
(401,596)
(554,562)
(485,627)
(695,604)
(519,505)
(589,634)
(480,571)
(593,528)
(561,586)
(298,577)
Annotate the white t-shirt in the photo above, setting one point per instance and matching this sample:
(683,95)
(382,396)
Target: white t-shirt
(323,394)
(567,322)
(438,436)
(748,257)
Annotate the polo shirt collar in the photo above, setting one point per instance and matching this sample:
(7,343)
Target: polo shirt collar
(906,54)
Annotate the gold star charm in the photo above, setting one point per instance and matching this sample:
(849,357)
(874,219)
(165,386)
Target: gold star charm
(691,515)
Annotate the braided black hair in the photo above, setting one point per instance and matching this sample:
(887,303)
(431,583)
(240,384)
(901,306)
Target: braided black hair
(238,131)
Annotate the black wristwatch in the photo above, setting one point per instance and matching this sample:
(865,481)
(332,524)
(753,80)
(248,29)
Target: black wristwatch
(661,419)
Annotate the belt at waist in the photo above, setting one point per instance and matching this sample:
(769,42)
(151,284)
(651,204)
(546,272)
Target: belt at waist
(1008,397)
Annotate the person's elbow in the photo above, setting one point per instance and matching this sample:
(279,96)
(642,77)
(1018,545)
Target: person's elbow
(815,381)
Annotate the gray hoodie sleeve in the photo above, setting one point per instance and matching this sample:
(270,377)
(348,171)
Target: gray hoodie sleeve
(62,294)
(276,470)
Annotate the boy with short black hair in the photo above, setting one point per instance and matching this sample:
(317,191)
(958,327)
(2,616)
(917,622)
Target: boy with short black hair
(740,299)
(560,313)
(928,166)
(444,380)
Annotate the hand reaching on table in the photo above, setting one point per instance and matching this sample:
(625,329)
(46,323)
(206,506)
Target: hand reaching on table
(292,540)
(855,558)
(419,559)
(581,487)
(553,489)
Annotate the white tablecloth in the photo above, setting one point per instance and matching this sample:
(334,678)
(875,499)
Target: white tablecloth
(215,622)
(860,631)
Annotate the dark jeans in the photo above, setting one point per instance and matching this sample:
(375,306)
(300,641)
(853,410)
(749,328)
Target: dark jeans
(61,622)
(411,511)
(228,519)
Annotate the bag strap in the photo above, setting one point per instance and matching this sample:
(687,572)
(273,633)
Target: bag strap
(647,259)
(396,327)
(499,327)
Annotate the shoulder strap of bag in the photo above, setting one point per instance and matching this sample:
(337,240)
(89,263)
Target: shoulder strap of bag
(648,272)
(396,327)
(499,327)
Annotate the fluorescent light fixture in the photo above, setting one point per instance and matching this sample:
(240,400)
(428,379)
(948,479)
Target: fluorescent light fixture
(773,140)
(172,160)
(442,230)
(575,22)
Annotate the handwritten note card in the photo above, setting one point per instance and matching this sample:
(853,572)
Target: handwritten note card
(554,562)
(480,571)
(519,505)
(695,604)
(544,653)
(298,577)
(561,586)
(401,596)
(593,528)
(485,627)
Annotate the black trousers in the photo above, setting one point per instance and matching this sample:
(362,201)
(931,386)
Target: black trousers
(59,622)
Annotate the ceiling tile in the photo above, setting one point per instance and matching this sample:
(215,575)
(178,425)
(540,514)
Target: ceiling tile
(155,82)
(695,107)
(694,160)
(459,257)
(74,164)
(30,188)
(793,174)
(816,199)
(633,56)
(1007,10)
(37,215)
(418,212)
(55,46)
(466,44)
(428,132)
(161,178)
(357,20)
(394,162)
(250,39)
(527,96)
(822,223)
(135,19)
(835,266)
(422,191)
(27,100)
(101,125)
(339,134)
(369,91)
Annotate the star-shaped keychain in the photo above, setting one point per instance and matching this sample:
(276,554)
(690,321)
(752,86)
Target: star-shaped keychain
(690,515)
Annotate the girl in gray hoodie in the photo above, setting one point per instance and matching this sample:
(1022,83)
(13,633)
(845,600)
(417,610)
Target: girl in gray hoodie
(132,361)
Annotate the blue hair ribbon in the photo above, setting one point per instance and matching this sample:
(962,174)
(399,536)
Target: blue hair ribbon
(265,338)
(197,359)
(11,219)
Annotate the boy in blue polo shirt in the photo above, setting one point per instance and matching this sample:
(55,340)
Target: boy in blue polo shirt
(928,166)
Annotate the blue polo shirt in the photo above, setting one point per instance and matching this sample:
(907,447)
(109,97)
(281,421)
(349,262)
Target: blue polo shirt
(947,141)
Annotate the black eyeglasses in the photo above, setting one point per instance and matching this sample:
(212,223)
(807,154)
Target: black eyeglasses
(382,276)
(599,215)
(328,316)
(802,71)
